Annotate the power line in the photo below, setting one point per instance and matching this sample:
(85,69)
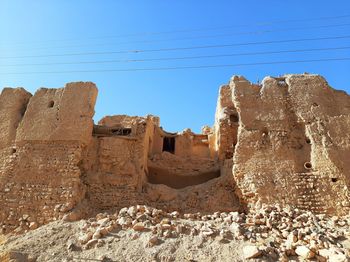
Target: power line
(183,48)
(235,26)
(181,67)
(182,58)
(262,23)
(200,37)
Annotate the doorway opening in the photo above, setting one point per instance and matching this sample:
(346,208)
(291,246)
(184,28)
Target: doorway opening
(169,144)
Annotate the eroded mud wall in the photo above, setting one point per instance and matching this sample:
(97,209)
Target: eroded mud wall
(116,166)
(293,143)
(60,114)
(226,124)
(40,170)
(13,104)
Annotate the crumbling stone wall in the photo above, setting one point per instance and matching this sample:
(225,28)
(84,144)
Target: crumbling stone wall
(120,170)
(13,104)
(201,146)
(60,114)
(292,141)
(116,172)
(226,124)
(43,139)
(120,164)
(39,182)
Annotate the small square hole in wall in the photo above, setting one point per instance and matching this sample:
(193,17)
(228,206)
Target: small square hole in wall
(51,104)
(307,165)
(264,132)
(234,118)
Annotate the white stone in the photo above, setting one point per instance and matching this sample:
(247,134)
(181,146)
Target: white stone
(132,211)
(304,252)
(337,258)
(123,211)
(33,225)
(103,221)
(175,214)
(251,252)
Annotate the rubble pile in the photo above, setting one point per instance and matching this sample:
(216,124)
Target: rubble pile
(270,231)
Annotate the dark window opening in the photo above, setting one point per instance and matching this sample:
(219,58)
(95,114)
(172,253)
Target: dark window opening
(169,144)
(121,131)
(308,141)
(334,179)
(108,131)
(51,104)
(234,118)
(228,154)
(265,132)
(13,150)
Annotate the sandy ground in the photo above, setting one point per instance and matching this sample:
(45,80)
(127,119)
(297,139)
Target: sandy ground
(50,243)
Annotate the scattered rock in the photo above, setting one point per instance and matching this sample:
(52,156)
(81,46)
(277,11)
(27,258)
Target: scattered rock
(33,225)
(91,243)
(139,226)
(153,241)
(304,252)
(251,252)
(71,246)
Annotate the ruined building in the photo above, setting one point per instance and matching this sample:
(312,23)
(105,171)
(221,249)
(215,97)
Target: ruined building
(285,141)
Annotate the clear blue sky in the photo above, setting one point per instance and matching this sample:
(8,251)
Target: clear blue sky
(182,98)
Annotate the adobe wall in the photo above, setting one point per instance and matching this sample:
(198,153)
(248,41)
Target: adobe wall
(60,114)
(293,141)
(201,146)
(39,182)
(157,141)
(183,143)
(116,166)
(40,176)
(187,144)
(13,104)
(190,179)
(225,125)
(132,169)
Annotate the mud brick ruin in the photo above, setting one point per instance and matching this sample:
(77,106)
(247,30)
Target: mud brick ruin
(286,142)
